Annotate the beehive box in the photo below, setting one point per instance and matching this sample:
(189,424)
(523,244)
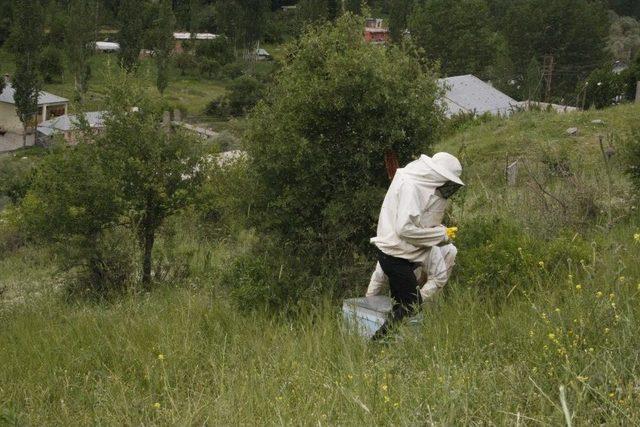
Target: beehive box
(366,315)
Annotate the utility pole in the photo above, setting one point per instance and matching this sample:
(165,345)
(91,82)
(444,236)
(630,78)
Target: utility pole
(547,74)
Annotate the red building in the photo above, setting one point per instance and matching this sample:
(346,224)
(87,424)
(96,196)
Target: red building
(374,32)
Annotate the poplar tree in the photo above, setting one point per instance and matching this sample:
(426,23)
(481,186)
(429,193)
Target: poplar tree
(26,43)
(164,43)
(78,41)
(131,34)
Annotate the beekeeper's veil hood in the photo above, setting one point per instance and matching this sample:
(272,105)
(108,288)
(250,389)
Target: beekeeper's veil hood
(432,172)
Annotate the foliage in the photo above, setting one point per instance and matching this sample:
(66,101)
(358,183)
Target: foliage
(163,44)
(185,62)
(432,24)
(157,169)
(244,93)
(26,45)
(573,31)
(632,160)
(399,12)
(130,34)
(624,38)
(79,44)
(603,88)
(335,108)
(51,67)
(219,49)
(15,178)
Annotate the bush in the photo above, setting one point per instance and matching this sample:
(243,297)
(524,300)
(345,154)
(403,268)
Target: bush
(318,140)
(217,108)
(51,66)
(496,255)
(232,70)
(244,94)
(603,88)
(185,62)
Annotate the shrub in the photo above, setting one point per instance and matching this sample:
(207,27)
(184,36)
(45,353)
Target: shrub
(318,140)
(217,108)
(232,70)
(185,62)
(244,93)
(496,256)
(603,88)
(51,66)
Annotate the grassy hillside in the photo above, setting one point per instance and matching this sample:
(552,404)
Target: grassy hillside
(545,297)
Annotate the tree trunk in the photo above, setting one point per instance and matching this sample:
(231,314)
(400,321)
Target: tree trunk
(24,134)
(149,238)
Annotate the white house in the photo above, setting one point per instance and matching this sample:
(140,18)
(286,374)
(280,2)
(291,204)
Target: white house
(49,105)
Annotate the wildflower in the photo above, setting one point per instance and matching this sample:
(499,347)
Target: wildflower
(582,378)
(590,349)
(578,287)
(599,294)
(636,237)
(161,357)
(611,395)
(530,333)
(384,387)
(541,264)
(613,305)
(386,399)
(552,336)
(279,398)
(557,310)
(157,405)
(350,376)
(395,405)
(622,279)
(606,330)
(612,296)
(617,317)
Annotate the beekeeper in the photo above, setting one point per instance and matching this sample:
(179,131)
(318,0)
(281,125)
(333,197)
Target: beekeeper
(415,253)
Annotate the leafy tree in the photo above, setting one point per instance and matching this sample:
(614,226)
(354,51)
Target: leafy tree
(134,174)
(624,38)
(26,44)
(209,67)
(230,18)
(312,11)
(131,34)
(603,88)
(399,12)
(317,142)
(458,34)
(163,44)
(219,49)
(185,62)
(79,44)
(156,169)
(244,93)
(626,7)
(573,31)
(51,67)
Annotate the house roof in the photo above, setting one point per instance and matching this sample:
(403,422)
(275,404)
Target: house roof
(469,94)
(196,36)
(107,46)
(7,96)
(68,122)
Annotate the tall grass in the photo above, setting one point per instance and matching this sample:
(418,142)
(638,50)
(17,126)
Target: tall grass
(183,354)
(185,357)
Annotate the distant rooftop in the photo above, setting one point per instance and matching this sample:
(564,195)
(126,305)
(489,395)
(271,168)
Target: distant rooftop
(194,36)
(469,94)
(7,96)
(67,122)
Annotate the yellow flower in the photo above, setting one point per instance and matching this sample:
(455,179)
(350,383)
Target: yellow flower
(599,294)
(578,287)
(530,333)
(606,330)
(157,405)
(552,336)
(557,310)
(636,237)
(386,399)
(622,279)
(612,296)
(350,376)
(451,232)
(541,264)
(590,349)
(161,357)
(395,405)
(384,387)
(612,394)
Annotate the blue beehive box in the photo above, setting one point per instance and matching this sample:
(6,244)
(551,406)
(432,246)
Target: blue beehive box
(366,315)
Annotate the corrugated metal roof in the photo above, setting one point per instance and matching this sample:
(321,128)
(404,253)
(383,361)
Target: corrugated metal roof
(68,122)
(196,36)
(471,95)
(8,93)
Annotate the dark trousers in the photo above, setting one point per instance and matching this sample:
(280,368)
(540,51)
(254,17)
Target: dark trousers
(404,288)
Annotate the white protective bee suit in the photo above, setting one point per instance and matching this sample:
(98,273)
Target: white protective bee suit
(410,223)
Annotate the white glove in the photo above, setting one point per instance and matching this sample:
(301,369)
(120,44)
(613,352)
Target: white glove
(428,291)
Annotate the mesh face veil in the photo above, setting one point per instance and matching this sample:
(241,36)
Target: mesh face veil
(449,189)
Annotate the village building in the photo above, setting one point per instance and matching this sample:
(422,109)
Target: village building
(375,32)
(11,128)
(182,37)
(107,47)
(68,126)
